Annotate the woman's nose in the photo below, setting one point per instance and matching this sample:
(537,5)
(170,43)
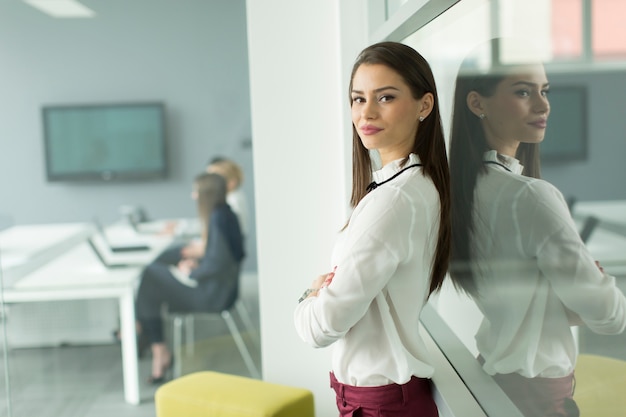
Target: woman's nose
(368,110)
(542,105)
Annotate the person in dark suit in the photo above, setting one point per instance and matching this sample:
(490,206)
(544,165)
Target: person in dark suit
(208,283)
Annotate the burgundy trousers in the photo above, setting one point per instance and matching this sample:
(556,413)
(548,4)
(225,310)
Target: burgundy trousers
(540,397)
(413,399)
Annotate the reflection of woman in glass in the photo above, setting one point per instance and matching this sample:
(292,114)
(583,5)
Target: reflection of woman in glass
(516,249)
(394,251)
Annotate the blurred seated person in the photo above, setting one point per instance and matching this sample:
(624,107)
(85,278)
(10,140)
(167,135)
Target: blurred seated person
(235,196)
(208,283)
(236,199)
(184,248)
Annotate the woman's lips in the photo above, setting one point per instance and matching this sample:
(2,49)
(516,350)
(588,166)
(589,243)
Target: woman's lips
(541,124)
(370,130)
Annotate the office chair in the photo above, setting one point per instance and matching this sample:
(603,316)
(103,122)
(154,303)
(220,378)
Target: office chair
(588,227)
(571,202)
(187,320)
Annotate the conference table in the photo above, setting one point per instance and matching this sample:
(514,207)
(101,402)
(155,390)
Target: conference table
(54,262)
(608,240)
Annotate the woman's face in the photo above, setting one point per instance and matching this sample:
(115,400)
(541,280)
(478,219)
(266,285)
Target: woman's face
(384,112)
(518,110)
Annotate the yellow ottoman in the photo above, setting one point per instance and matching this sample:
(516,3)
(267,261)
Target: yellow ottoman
(214,394)
(600,383)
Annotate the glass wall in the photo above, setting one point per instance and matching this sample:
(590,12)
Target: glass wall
(68,342)
(542,308)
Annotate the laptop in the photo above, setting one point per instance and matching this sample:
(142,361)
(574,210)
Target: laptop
(119,248)
(104,261)
(136,217)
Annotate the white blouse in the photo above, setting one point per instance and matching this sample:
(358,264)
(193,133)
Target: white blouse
(237,201)
(535,275)
(370,311)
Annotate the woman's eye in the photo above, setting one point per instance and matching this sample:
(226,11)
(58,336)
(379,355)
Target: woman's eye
(358,100)
(385,99)
(545,93)
(523,93)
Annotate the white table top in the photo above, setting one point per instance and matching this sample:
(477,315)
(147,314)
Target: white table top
(608,240)
(57,256)
(609,249)
(24,248)
(56,262)
(613,210)
(78,267)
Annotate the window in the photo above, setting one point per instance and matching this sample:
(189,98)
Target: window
(583,46)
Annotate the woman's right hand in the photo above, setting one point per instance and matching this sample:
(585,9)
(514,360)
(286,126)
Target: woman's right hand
(329,278)
(599,266)
(323,280)
(169,228)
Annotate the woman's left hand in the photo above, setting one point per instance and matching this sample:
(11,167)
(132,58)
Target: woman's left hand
(187,265)
(194,249)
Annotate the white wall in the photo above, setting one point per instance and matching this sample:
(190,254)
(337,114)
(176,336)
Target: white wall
(301,151)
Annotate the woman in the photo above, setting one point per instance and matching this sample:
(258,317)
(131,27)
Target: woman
(235,196)
(516,249)
(394,251)
(206,284)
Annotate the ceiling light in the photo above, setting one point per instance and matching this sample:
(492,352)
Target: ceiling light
(61,8)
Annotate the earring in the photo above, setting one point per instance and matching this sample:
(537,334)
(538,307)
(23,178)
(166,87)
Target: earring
(421,118)
(481,116)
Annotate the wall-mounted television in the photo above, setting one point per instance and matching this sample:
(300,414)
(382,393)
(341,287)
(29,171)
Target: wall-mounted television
(105,142)
(566,134)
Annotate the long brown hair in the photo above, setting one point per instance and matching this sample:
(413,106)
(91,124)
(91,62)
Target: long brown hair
(211,191)
(429,142)
(467,148)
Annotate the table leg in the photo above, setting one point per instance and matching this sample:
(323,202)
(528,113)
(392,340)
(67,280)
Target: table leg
(129,348)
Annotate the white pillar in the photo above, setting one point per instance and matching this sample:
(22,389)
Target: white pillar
(301,149)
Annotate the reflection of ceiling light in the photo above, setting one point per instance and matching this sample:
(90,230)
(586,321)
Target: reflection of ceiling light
(61,8)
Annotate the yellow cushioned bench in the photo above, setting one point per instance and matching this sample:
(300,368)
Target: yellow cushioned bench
(214,394)
(600,386)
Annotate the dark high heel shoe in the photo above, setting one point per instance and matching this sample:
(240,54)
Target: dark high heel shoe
(163,378)
(157,381)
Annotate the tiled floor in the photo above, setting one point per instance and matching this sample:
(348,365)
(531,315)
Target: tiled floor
(86,381)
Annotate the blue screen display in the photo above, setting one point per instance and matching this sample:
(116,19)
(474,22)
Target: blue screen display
(566,134)
(105,142)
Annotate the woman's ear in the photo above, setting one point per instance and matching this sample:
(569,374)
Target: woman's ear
(426,106)
(475,103)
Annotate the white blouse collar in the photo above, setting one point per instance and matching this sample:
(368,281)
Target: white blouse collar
(507,162)
(393,167)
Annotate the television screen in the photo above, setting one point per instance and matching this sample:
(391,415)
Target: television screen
(566,134)
(104,142)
